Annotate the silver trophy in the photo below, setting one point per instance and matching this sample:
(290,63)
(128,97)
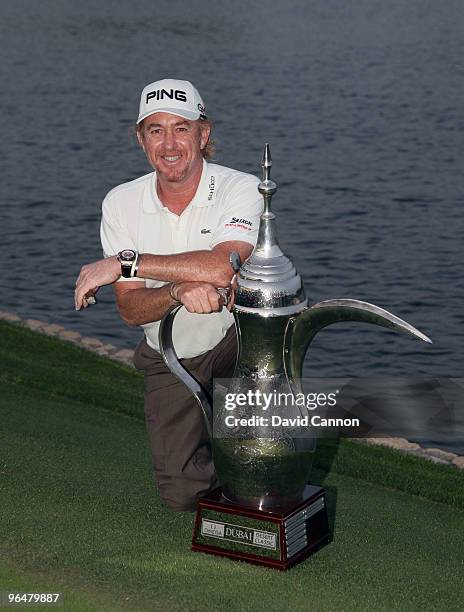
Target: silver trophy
(275,326)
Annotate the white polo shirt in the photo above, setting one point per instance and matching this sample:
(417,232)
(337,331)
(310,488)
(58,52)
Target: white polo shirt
(226,206)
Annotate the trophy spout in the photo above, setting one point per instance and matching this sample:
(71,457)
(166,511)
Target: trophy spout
(302,329)
(171,359)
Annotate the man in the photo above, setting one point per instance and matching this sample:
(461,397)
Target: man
(167,238)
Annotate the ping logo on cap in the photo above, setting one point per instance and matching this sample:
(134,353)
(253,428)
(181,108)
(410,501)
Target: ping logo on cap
(172,94)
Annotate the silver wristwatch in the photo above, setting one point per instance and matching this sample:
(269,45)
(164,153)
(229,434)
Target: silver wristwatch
(128,260)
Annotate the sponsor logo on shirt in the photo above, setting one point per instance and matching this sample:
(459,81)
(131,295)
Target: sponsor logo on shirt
(205,231)
(211,187)
(245,224)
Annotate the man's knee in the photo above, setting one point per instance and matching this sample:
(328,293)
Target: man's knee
(178,498)
(181,505)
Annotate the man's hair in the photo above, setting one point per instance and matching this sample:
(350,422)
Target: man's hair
(208,151)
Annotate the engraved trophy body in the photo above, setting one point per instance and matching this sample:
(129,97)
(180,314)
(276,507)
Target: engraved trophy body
(266,512)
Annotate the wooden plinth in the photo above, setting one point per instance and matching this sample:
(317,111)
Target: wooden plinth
(278,538)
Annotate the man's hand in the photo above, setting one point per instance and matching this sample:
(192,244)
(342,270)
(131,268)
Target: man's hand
(198,297)
(93,276)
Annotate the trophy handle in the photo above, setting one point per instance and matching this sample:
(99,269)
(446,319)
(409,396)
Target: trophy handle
(171,359)
(302,329)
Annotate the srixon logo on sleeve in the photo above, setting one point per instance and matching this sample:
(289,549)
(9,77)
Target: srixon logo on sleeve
(245,224)
(172,94)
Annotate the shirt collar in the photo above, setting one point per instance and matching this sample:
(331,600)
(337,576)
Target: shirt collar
(204,196)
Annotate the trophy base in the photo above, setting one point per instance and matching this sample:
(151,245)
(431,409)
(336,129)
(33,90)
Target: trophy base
(278,538)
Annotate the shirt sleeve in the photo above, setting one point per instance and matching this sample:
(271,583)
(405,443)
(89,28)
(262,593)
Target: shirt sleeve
(114,234)
(242,211)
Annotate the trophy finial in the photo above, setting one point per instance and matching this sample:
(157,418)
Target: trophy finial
(267,162)
(267,188)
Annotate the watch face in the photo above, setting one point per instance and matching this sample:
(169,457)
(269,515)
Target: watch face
(127,255)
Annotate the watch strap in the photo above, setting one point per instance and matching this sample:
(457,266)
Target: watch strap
(135,266)
(126,270)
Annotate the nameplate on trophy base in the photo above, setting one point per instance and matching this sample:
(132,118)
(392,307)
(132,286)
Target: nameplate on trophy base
(278,538)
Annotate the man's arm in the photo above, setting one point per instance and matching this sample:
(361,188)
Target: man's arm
(192,269)
(204,266)
(139,305)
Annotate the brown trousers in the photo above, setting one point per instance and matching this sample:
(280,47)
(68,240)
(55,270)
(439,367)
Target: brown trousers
(181,450)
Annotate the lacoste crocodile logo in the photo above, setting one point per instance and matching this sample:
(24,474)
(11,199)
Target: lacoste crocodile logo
(205,231)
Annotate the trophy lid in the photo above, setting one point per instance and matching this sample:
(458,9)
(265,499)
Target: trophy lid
(268,283)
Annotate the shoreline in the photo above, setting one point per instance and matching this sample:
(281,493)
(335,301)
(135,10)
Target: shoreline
(436,455)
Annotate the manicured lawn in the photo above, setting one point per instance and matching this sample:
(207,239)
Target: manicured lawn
(81,516)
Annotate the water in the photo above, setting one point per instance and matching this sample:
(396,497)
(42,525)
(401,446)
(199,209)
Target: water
(362,105)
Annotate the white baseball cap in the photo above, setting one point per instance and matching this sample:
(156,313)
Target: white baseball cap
(171,96)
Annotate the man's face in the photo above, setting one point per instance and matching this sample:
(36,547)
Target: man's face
(173,145)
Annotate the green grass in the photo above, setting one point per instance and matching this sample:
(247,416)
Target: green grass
(15,580)
(80,515)
(41,363)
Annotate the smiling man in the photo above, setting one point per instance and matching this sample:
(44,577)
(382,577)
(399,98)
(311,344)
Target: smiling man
(167,238)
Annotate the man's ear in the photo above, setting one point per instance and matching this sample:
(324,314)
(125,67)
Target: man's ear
(140,139)
(205,131)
